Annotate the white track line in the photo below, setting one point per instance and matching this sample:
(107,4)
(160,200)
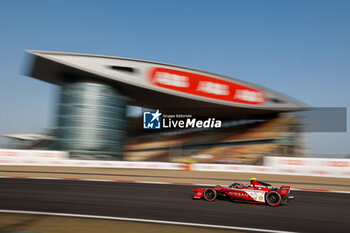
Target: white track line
(142,220)
(157,182)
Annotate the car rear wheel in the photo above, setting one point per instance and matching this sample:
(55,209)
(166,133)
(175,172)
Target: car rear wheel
(273,198)
(210,194)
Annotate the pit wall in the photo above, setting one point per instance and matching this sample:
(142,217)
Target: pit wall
(272,165)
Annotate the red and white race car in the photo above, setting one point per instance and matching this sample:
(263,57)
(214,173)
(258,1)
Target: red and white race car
(256,192)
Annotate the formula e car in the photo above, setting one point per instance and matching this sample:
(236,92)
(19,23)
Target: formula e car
(256,192)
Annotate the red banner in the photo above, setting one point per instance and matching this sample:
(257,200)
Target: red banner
(206,86)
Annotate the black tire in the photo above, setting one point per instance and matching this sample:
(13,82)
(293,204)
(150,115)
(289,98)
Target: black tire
(210,194)
(273,198)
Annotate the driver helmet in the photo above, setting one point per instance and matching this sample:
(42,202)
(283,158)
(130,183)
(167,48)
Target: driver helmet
(251,180)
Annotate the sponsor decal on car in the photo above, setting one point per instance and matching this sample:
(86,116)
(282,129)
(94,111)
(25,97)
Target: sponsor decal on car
(240,194)
(256,195)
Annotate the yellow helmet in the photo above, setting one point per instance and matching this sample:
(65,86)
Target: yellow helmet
(253,178)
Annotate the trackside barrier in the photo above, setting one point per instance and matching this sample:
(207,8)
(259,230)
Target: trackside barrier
(272,165)
(309,166)
(92,163)
(33,154)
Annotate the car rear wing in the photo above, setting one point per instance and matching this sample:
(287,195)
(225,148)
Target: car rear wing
(284,190)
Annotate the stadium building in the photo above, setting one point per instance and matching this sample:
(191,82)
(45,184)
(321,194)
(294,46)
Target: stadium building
(96,90)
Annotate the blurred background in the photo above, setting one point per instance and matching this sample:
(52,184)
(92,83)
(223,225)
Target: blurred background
(67,122)
(296,48)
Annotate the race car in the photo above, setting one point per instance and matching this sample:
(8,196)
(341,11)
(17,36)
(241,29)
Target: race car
(255,192)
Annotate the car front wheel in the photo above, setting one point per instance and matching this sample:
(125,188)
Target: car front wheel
(210,194)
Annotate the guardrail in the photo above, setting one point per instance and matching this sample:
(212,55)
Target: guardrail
(272,165)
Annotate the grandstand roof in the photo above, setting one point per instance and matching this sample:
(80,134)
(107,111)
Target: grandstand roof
(171,88)
(29,137)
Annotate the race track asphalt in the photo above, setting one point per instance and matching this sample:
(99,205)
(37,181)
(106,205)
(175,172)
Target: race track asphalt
(310,212)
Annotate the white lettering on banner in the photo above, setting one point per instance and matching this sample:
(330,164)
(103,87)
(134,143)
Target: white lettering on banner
(213,88)
(249,96)
(171,79)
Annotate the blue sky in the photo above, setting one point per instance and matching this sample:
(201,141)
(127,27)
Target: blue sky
(299,48)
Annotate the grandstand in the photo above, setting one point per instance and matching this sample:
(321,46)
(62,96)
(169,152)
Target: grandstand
(96,90)
(243,144)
